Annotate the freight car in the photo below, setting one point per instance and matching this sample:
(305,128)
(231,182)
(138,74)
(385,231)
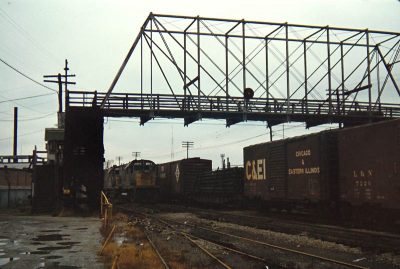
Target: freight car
(369,169)
(219,186)
(348,170)
(177,179)
(135,180)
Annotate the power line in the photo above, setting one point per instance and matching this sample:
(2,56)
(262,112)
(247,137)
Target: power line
(26,107)
(27,97)
(22,74)
(30,119)
(25,134)
(27,35)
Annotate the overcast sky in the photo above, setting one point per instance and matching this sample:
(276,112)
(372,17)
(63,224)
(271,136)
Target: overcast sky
(37,36)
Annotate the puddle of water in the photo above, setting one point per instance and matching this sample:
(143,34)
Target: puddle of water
(27,222)
(25,253)
(81,229)
(40,252)
(56,265)
(3,243)
(52,257)
(4,261)
(121,239)
(50,231)
(53,248)
(50,237)
(71,243)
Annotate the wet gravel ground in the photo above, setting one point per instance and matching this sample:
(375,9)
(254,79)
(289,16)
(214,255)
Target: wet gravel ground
(49,242)
(177,251)
(300,242)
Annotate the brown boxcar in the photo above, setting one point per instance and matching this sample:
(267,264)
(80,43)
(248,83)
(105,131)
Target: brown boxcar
(369,169)
(265,171)
(312,166)
(293,171)
(178,178)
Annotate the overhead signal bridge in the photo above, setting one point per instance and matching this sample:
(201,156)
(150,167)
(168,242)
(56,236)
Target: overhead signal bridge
(196,68)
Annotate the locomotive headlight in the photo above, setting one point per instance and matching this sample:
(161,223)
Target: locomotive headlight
(66,191)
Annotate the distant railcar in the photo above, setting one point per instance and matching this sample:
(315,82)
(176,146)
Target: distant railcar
(219,186)
(177,179)
(112,180)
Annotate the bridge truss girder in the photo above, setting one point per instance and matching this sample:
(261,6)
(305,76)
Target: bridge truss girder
(202,59)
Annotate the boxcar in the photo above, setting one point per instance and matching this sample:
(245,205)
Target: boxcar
(265,171)
(293,172)
(177,179)
(312,168)
(369,167)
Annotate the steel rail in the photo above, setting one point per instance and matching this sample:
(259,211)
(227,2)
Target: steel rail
(156,251)
(302,253)
(181,233)
(206,251)
(230,249)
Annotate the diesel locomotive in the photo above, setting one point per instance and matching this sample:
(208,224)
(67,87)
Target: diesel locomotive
(131,181)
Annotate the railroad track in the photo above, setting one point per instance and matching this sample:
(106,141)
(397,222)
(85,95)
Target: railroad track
(368,240)
(257,250)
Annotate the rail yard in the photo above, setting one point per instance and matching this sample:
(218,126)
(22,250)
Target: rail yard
(259,193)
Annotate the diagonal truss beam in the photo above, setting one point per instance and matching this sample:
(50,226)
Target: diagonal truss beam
(271,57)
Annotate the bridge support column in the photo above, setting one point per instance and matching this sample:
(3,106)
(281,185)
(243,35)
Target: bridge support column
(83,156)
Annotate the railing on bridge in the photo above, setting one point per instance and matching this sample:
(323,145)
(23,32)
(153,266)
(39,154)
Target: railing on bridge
(130,104)
(24,159)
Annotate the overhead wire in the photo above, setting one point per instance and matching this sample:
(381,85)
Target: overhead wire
(20,135)
(26,76)
(26,97)
(28,36)
(30,119)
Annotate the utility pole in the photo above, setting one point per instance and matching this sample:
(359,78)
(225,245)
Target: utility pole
(136,154)
(270,133)
(15,142)
(119,160)
(59,81)
(187,145)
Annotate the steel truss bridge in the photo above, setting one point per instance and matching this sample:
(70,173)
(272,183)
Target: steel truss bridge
(239,70)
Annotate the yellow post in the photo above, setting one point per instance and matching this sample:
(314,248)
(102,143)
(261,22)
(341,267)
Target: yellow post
(108,239)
